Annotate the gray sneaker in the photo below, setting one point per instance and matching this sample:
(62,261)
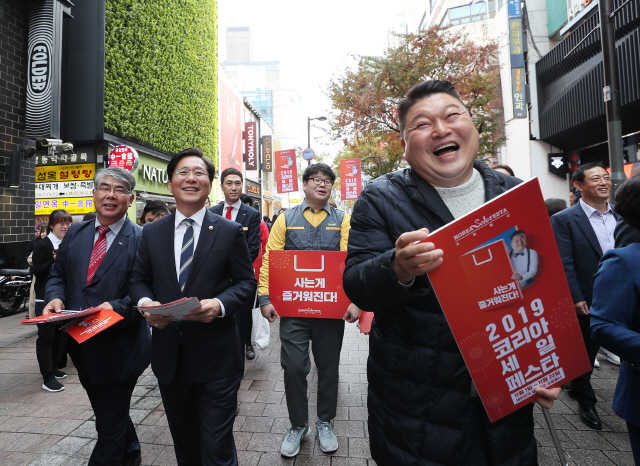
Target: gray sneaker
(328,440)
(291,443)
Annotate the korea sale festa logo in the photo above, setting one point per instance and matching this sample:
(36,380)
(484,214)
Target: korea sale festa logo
(480,223)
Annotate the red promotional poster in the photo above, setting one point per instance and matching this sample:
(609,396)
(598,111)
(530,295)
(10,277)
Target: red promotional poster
(250,156)
(505,295)
(286,171)
(230,107)
(124,157)
(308,283)
(350,179)
(89,326)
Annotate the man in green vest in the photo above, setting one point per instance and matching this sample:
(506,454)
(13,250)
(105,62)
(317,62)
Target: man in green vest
(313,225)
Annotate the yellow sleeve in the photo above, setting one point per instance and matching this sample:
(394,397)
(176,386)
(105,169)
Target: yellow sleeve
(345,227)
(276,241)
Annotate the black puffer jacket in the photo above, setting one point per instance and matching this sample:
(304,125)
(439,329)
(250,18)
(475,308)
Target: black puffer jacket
(419,386)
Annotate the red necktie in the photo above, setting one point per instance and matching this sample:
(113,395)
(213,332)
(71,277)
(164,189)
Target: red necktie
(229,209)
(99,250)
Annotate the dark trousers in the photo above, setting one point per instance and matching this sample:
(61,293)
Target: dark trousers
(117,439)
(581,389)
(50,346)
(634,438)
(326,335)
(201,419)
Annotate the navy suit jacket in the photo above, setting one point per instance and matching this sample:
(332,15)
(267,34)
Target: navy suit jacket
(221,269)
(249,218)
(579,250)
(615,323)
(119,352)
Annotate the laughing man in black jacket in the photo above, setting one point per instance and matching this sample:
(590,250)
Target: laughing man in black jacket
(423,407)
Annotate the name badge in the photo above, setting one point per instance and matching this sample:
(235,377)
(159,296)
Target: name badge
(245,228)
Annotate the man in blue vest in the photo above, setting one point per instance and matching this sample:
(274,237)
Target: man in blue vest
(313,225)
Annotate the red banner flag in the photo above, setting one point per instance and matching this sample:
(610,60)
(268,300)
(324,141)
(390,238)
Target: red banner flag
(350,179)
(286,171)
(308,283)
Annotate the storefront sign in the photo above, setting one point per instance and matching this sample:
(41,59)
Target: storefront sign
(124,157)
(517,91)
(515,9)
(154,174)
(516,47)
(286,171)
(81,172)
(267,153)
(267,195)
(350,179)
(253,188)
(66,158)
(76,205)
(250,157)
(308,283)
(64,189)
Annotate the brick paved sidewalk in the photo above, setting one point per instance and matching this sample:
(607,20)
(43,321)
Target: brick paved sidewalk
(50,429)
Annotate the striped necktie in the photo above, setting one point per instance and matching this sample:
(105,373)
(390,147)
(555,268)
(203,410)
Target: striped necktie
(98,252)
(186,253)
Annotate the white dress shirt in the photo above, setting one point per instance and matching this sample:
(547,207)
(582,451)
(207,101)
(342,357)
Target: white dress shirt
(234,211)
(603,225)
(114,229)
(54,240)
(520,261)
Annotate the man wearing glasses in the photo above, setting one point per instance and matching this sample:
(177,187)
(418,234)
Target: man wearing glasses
(313,225)
(93,268)
(153,210)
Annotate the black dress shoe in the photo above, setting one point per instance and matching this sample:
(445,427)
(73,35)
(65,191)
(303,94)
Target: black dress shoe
(250,352)
(133,459)
(589,416)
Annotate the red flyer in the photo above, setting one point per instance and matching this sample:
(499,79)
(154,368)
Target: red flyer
(308,283)
(366,319)
(59,316)
(91,325)
(505,295)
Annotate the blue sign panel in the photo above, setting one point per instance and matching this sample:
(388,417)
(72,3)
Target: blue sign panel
(515,9)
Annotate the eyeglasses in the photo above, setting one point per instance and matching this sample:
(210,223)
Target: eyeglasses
(319,181)
(151,220)
(118,190)
(198,173)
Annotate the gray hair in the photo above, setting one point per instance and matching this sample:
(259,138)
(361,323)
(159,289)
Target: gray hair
(117,173)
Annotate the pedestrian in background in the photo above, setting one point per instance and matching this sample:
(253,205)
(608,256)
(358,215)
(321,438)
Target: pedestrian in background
(153,210)
(506,169)
(555,205)
(51,343)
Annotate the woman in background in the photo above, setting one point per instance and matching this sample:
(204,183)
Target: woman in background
(51,341)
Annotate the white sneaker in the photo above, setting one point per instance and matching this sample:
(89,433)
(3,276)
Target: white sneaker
(596,363)
(612,358)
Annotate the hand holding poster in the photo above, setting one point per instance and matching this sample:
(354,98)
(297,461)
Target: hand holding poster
(286,171)
(308,283)
(515,324)
(350,179)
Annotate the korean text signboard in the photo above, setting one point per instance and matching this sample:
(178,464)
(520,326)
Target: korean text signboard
(350,179)
(65,158)
(250,156)
(505,295)
(77,205)
(515,9)
(82,172)
(124,157)
(64,189)
(286,171)
(307,283)
(518,94)
(516,46)
(267,154)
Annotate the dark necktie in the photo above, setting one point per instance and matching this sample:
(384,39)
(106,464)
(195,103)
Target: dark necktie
(229,209)
(99,250)
(519,253)
(186,253)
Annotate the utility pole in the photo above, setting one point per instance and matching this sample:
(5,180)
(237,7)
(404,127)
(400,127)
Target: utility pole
(611,95)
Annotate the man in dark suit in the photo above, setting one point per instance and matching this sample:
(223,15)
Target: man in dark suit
(584,232)
(235,210)
(93,268)
(194,253)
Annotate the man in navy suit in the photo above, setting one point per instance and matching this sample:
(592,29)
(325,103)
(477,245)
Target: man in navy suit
(233,209)
(93,268)
(584,232)
(194,253)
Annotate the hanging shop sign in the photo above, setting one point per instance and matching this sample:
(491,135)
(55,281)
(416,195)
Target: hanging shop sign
(64,189)
(518,94)
(77,205)
(66,158)
(250,156)
(286,171)
(82,172)
(124,157)
(253,188)
(267,154)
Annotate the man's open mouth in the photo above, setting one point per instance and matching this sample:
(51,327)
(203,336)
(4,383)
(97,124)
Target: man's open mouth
(446,149)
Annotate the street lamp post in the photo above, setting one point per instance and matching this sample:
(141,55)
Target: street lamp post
(379,163)
(322,118)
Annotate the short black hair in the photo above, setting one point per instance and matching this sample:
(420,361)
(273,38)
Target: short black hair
(628,201)
(516,233)
(246,199)
(191,152)
(156,207)
(555,205)
(574,190)
(266,219)
(507,168)
(578,175)
(318,168)
(230,171)
(422,91)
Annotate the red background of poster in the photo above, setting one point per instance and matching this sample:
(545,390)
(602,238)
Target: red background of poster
(283,276)
(481,331)
(354,182)
(285,162)
(230,128)
(123,157)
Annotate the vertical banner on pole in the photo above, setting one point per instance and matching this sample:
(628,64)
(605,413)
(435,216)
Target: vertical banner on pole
(350,179)
(267,154)
(286,171)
